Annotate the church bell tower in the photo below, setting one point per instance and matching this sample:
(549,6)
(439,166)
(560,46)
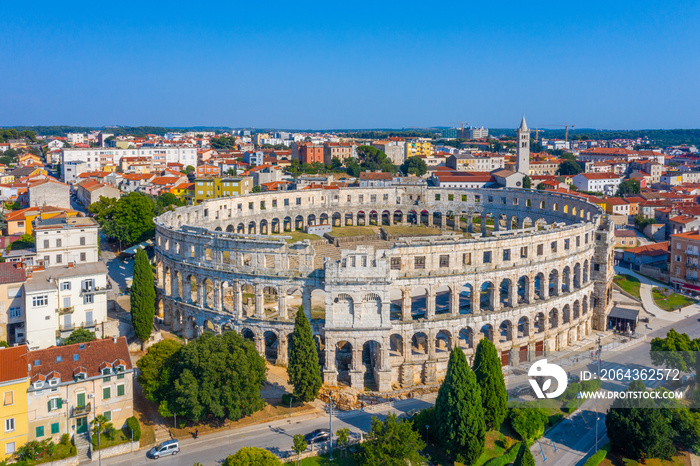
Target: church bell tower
(522,160)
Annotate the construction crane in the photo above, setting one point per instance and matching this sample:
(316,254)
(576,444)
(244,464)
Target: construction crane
(566,132)
(537,133)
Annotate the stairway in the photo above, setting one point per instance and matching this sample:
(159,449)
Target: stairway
(82,443)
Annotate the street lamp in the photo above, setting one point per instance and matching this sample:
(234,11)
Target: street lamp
(427,440)
(330,427)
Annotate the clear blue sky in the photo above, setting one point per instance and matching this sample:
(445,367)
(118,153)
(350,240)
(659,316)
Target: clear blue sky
(597,64)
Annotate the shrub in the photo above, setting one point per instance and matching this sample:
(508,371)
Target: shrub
(65,439)
(133,428)
(598,456)
(571,391)
(287,399)
(528,422)
(506,458)
(111,433)
(591,385)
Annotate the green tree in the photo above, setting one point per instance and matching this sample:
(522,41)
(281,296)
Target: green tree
(569,167)
(373,159)
(252,456)
(143,296)
(541,187)
(256,189)
(165,201)
(343,436)
(524,457)
(100,424)
(352,167)
(461,429)
(528,422)
(642,222)
(3,222)
(25,241)
(129,219)
(489,376)
(676,351)
(218,376)
(189,169)
(336,163)
(299,446)
(637,428)
(80,335)
(414,166)
(628,187)
(154,368)
(527,182)
(392,442)
(304,369)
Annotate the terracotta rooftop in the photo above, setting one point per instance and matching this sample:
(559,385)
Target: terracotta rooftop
(11,272)
(13,363)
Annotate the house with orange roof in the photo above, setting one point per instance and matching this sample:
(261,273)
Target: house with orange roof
(90,191)
(183,191)
(134,181)
(617,206)
(275,186)
(20,222)
(606,183)
(650,254)
(14,384)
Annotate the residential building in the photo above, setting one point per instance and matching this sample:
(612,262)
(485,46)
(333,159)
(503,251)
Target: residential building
(626,238)
(91,191)
(207,170)
(71,384)
(682,224)
(339,150)
(12,278)
(306,152)
(215,187)
(394,150)
(454,179)
(475,163)
(254,157)
(265,173)
(606,183)
(72,169)
(75,138)
(376,179)
(654,253)
(20,222)
(617,206)
(63,240)
(60,299)
(14,383)
(478,133)
(418,148)
(96,158)
(683,265)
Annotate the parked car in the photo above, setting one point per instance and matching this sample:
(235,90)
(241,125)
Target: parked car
(574,378)
(169,447)
(317,436)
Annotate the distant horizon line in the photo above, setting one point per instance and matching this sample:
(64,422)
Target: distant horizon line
(333,130)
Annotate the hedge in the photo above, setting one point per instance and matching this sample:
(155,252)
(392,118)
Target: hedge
(133,426)
(598,456)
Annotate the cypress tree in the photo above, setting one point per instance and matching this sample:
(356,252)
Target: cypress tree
(304,369)
(489,376)
(524,457)
(143,296)
(458,407)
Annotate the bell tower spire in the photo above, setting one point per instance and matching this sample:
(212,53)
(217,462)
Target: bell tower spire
(522,159)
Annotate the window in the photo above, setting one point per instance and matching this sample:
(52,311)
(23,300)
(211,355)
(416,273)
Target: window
(506,254)
(395,263)
(596,267)
(39,301)
(10,425)
(487,257)
(59,258)
(82,241)
(419,262)
(286,202)
(55,403)
(108,415)
(298,201)
(14,292)
(46,244)
(65,286)
(58,242)
(82,257)
(106,393)
(567,242)
(9,448)
(121,390)
(540,249)
(523,252)
(88,299)
(554,246)
(107,373)
(9,398)
(467,258)
(15,312)
(444,260)
(40,431)
(54,428)
(120,376)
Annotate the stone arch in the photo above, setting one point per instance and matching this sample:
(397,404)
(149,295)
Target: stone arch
(566,314)
(343,360)
(584,305)
(504,293)
(465,299)
(240,229)
(566,280)
(230,228)
(553,318)
(344,305)
(271,346)
(585,272)
(215,229)
(193,289)
(523,289)
(372,304)
(577,309)
(361,218)
(398,216)
(419,343)
(488,296)
(248,334)
(373,217)
(396,304)
(371,359)
(288,224)
(299,223)
(395,345)
(419,302)
(323,219)
(466,338)
(275,225)
(505,331)
(337,219)
(540,286)
(443,296)
(386,217)
(443,341)
(553,281)
(540,323)
(523,327)
(311,220)
(349,218)
(487,331)
(252,228)
(264,227)
(527,223)
(577,276)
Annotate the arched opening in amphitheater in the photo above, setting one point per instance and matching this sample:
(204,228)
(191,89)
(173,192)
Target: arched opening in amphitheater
(529,270)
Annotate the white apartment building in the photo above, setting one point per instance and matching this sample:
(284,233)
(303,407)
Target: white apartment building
(60,241)
(97,158)
(75,138)
(478,133)
(605,183)
(60,299)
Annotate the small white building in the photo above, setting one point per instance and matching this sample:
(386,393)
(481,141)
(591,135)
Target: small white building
(60,241)
(605,183)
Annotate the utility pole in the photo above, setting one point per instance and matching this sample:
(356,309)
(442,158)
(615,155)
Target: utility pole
(600,354)
(330,427)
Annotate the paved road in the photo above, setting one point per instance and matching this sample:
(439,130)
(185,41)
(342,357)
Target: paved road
(275,436)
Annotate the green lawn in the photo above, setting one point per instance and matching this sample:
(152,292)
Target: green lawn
(341,232)
(671,302)
(119,438)
(410,230)
(60,452)
(348,460)
(628,283)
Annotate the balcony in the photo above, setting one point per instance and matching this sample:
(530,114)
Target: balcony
(66,310)
(691,266)
(77,411)
(690,252)
(96,289)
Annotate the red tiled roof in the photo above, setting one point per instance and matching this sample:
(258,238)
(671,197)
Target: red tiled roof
(599,176)
(93,354)
(11,272)
(13,363)
(654,249)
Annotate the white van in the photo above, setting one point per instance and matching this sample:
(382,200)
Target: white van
(169,447)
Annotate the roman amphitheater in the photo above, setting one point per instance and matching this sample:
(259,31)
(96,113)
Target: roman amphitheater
(406,273)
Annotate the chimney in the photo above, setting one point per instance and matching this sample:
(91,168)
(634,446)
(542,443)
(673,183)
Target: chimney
(71,264)
(114,340)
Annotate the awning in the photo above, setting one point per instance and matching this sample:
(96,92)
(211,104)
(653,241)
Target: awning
(691,287)
(624,313)
(132,250)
